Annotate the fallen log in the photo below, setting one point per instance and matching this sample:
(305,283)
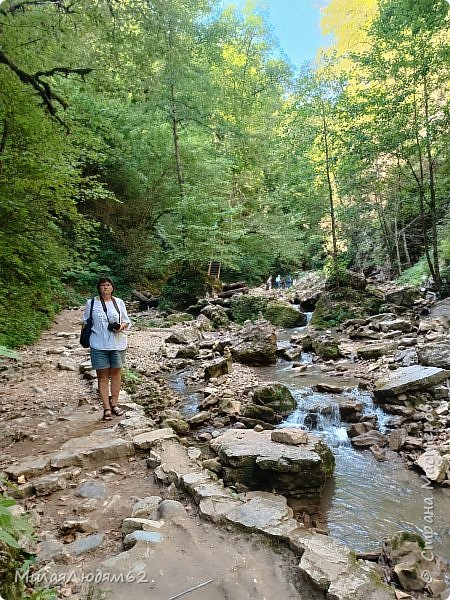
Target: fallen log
(146,300)
(229,293)
(233,286)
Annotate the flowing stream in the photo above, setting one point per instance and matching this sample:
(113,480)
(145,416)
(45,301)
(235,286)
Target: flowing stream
(366,501)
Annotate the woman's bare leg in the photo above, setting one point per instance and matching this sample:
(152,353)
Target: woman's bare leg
(116,384)
(103,376)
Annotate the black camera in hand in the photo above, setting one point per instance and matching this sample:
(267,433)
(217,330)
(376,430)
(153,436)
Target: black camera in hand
(114,326)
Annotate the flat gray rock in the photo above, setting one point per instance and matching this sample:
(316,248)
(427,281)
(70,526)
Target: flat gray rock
(144,441)
(91,489)
(29,467)
(86,451)
(145,507)
(434,355)
(86,544)
(334,569)
(261,514)
(149,537)
(407,379)
(441,308)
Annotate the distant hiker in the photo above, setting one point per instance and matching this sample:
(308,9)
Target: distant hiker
(269,283)
(288,281)
(277,281)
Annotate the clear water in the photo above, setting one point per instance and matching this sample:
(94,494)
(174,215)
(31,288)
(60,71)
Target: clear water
(366,501)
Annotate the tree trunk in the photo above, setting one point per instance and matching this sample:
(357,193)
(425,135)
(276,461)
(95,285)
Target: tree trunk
(397,248)
(422,200)
(405,246)
(330,191)
(3,141)
(176,144)
(432,203)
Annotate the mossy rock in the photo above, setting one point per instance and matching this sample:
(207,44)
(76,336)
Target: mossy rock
(348,279)
(284,314)
(328,461)
(276,396)
(217,315)
(175,318)
(335,307)
(247,308)
(326,348)
(262,413)
(399,538)
(180,426)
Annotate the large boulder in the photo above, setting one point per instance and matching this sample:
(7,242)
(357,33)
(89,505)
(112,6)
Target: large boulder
(368,439)
(435,463)
(403,297)
(260,463)
(374,351)
(406,380)
(441,309)
(337,306)
(326,347)
(276,396)
(402,325)
(256,344)
(434,355)
(261,413)
(283,314)
(217,368)
(414,565)
(244,308)
(216,314)
(333,568)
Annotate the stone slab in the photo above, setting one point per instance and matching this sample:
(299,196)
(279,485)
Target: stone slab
(260,514)
(407,379)
(145,441)
(100,446)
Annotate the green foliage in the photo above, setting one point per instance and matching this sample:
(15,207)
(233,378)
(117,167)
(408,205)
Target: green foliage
(336,306)
(445,287)
(184,288)
(415,275)
(244,308)
(131,380)
(335,270)
(15,561)
(187,141)
(7,353)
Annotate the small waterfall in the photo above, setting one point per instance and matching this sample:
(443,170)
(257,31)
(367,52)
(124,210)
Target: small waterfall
(317,414)
(369,408)
(366,500)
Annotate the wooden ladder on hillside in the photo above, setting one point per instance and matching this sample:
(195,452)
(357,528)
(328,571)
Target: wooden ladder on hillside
(214,269)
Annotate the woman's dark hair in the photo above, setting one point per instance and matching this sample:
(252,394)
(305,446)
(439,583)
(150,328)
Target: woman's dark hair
(104,280)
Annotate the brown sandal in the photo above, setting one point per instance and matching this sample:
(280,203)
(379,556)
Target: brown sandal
(118,412)
(107,416)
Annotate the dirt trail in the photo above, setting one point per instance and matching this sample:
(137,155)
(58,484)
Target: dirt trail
(42,406)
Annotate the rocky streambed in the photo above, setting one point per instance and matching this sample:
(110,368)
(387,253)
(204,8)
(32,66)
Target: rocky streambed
(174,444)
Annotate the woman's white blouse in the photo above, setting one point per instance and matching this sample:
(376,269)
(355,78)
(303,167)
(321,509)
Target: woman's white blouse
(101,338)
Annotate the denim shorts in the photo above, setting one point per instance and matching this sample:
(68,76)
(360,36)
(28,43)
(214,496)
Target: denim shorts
(107,359)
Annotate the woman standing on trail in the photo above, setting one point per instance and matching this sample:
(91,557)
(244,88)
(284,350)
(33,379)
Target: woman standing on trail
(108,343)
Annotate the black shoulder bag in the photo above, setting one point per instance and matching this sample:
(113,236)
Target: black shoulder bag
(86,331)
